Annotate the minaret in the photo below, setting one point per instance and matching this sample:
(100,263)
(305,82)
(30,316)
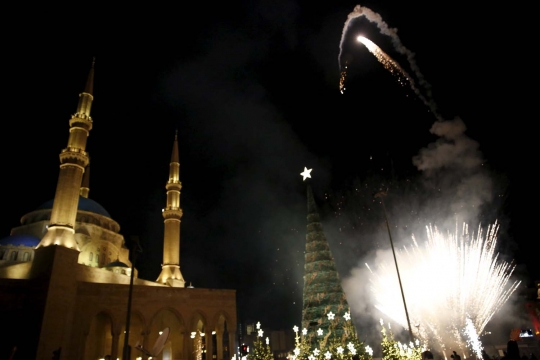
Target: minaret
(170,269)
(73,161)
(85,185)
(322,286)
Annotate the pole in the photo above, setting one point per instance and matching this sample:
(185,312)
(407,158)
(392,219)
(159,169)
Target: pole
(126,353)
(381,195)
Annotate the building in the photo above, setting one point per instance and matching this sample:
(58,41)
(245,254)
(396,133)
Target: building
(65,276)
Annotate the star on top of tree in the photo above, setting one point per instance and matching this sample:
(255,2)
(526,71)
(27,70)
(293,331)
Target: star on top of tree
(347,316)
(306,173)
(331,315)
(319,332)
(295,328)
(258,325)
(261,333)
(304,331)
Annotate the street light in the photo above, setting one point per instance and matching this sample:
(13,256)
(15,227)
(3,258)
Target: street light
(381,195)
(136,247)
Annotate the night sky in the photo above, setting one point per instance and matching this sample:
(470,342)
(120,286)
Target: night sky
(253,89)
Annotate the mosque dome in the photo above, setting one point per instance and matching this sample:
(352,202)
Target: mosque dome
(116,263)
(20,239)
(85,204)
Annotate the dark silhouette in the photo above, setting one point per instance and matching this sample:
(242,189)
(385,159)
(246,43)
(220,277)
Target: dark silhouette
(427,355)
(455,356)
(533,357)
(485,356)
(512,351)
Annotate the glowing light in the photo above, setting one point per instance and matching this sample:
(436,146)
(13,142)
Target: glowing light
(369,350)
(320,332)
(465,279)
(258,325)
(295,328)
(388,63)
(304,331)
(331,315)
(306,173)
(347,316)
(473,341)
(260,333)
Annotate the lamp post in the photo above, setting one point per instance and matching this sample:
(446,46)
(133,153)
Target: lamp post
(381,195)
(126,353)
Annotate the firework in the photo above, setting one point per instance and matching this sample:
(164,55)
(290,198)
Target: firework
(454,283)
(370,15)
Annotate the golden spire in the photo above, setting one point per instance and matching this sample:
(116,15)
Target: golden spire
(89,88)
(87,96)
(172,213)
(174,156)
(73,162)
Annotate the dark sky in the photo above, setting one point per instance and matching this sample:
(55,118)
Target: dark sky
(253,89)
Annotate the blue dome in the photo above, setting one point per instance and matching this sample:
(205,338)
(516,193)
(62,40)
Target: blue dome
(16,240)
(85,204)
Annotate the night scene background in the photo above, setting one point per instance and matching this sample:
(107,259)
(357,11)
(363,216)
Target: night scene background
(253,90)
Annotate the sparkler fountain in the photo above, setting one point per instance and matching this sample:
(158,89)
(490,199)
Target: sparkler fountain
(454,284)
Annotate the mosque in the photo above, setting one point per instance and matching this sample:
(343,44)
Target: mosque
(65,276)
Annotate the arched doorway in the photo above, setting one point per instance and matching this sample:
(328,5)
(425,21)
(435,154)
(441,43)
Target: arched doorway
(136,328)
(221,339)
(99,339)
(198,338)
(174,347)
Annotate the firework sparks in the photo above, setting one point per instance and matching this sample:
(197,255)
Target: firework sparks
(388,63)
(342,77)
(472,338)
(453,286)
(370,15)
(393,67)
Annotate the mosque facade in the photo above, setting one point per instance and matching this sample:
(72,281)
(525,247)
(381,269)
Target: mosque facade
(65,275)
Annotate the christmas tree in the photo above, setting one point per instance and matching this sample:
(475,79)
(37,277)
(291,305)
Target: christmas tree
(394,350)
(323,293)
(261,350)
(339,341)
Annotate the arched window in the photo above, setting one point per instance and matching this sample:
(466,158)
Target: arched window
(13,255)
(91,256)
(26,256)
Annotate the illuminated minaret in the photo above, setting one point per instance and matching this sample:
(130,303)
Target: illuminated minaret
(73,161)
(85,186)
(170,269)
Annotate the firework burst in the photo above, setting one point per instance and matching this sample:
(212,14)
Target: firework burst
(454,283)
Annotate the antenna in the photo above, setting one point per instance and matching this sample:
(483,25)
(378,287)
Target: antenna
(158,346)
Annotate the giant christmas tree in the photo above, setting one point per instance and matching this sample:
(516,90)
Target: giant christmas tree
(324,302)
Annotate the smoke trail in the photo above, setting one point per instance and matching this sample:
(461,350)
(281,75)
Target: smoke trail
(396,42)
